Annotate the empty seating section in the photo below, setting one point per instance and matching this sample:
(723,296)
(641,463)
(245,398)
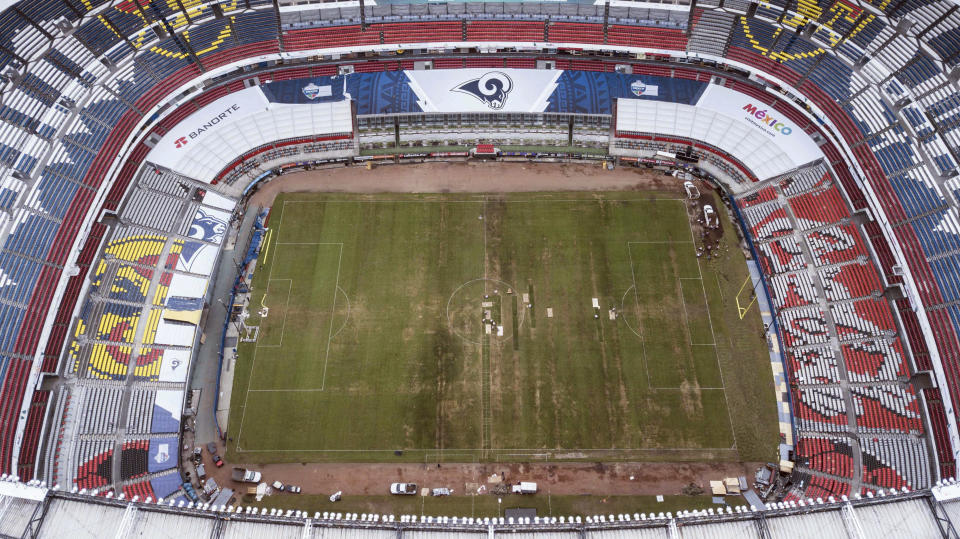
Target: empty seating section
(850,281)
(108,361)
(141,490)
(780,256)
(760,196)
(822,488)
(832,456)
(768,221)
(420,32)
(819,409)
(148,363)
(648,38)
(804,326)
(99,409)
(94,464)
(875,360)
(863,318)
(793,290)
(326,38)
(133,459)
(835,244)
(917,192)
(806,180)
(894,463)
(887,408)
(574,32)
(32,430)
(255,27)
(140,414)
(153,210)
(847,354)
(500,31)
(710,32)
(814,365)
(817,209)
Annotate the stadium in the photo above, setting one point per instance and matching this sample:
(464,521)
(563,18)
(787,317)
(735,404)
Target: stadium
(606,268)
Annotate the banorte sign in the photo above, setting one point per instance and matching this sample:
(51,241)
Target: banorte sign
(769,121)
(180,142)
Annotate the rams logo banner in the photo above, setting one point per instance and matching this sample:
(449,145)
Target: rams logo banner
(480,90)
(491,89)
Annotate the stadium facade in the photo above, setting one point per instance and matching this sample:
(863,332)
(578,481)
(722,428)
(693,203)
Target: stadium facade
(35,512)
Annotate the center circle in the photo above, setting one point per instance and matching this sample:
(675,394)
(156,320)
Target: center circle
(475,303)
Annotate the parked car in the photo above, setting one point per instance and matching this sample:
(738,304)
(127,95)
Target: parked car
(293,489)
(217,461)
(403,489)
(212,448)
(278,486)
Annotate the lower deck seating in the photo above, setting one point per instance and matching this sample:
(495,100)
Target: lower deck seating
(141,491)
(94,464)
(828,455)
(895,463)
(813,366)
(793,290)
(887,408)
(819,409)
(133,459)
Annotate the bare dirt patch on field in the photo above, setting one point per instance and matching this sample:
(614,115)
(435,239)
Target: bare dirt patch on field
(464,178)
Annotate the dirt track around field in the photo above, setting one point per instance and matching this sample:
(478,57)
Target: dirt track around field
(484,177)
(560,478)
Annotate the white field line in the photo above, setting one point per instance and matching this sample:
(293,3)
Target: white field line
(286,307)
(333,313)
(716,353)
(686,314)
(253,362)
(636,299)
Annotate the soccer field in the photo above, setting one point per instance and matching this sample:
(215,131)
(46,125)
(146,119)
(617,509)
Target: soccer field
(464,328)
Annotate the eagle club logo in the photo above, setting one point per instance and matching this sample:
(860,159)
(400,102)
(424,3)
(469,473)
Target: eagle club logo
(311,91)
(163,453)
(180,142)
(640,88)
(492,89)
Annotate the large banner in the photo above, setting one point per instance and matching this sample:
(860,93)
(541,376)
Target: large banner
(207,141)
(484,90)
(775,127)
(205,124)
(166,411)
(728,121)
(163,454)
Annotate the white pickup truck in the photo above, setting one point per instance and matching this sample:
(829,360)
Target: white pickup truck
(403,489)
(524,487)
(245,476)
